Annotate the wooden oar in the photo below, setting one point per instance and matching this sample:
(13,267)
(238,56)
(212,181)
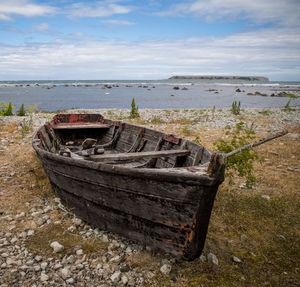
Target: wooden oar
(261,141)
(217,162)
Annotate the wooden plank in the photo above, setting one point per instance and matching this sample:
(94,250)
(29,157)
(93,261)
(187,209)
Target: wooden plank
(138,155)
(131,227)
(81,126)
(180,192)
(153,208)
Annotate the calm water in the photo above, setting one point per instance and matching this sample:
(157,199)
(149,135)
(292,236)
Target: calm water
(60,95)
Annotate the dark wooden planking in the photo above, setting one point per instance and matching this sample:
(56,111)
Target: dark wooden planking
(168,239)
(152,208)
(138,155)
(181,192)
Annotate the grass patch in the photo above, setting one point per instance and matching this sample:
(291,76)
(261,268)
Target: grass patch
(265,112)
(8,127)
(157,120)
(143,258)
(42,239)
(42,186)
(186,131)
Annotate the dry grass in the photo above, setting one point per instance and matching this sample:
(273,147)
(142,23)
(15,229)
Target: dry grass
(41,241)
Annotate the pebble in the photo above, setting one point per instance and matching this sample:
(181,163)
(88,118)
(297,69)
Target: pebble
(38,258)
(212,259)
(264,196)
(115,277)
(30,232)
(165,269)
(70,281)
(124,279)
(77,221)
(65,273)
(57,247)
(236,259)
(44,277)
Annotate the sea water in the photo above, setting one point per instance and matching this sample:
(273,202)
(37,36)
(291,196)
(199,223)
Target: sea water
(163,94)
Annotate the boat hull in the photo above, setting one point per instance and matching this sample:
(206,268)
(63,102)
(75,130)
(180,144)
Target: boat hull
(166,209)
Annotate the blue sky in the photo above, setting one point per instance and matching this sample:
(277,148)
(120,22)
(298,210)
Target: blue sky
(120,39)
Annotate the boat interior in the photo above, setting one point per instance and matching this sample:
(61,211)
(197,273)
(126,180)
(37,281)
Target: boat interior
(91,137)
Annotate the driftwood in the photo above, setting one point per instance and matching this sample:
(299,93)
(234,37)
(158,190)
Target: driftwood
(252,145)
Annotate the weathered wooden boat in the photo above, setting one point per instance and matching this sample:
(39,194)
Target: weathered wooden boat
(146,185)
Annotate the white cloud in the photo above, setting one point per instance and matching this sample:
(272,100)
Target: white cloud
(25,8)
(258,11)
(97,9)
(118,22)
(257,53)
(42,27)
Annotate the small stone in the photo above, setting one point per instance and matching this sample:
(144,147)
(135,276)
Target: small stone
(65,273)
(212,259)
(30,232)
(99,266)
(124,279)
(279,166)
(236,259)
(71,259)
(166,269)
(77,221)
(70,280)
(44,265)
(116,258)
(79,252)
(115,277)
(72,228)
(38,258)
(10,261)
(264,196)
(40,221)
(57,266)
(124,267)
(14,240)
(290,169)
(57,247)
(44,277)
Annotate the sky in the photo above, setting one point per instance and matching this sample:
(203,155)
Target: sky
(123,39)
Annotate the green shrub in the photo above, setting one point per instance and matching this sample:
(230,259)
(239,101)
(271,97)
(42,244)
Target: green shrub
(6,109)
(236,107)
(242,162)
(134,113)
(21,112)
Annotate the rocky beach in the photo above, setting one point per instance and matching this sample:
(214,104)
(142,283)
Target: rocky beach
(253,237)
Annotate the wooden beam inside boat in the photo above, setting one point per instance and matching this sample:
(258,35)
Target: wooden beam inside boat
(83,126)
(138,155)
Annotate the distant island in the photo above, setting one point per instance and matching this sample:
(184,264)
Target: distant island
(226,78)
